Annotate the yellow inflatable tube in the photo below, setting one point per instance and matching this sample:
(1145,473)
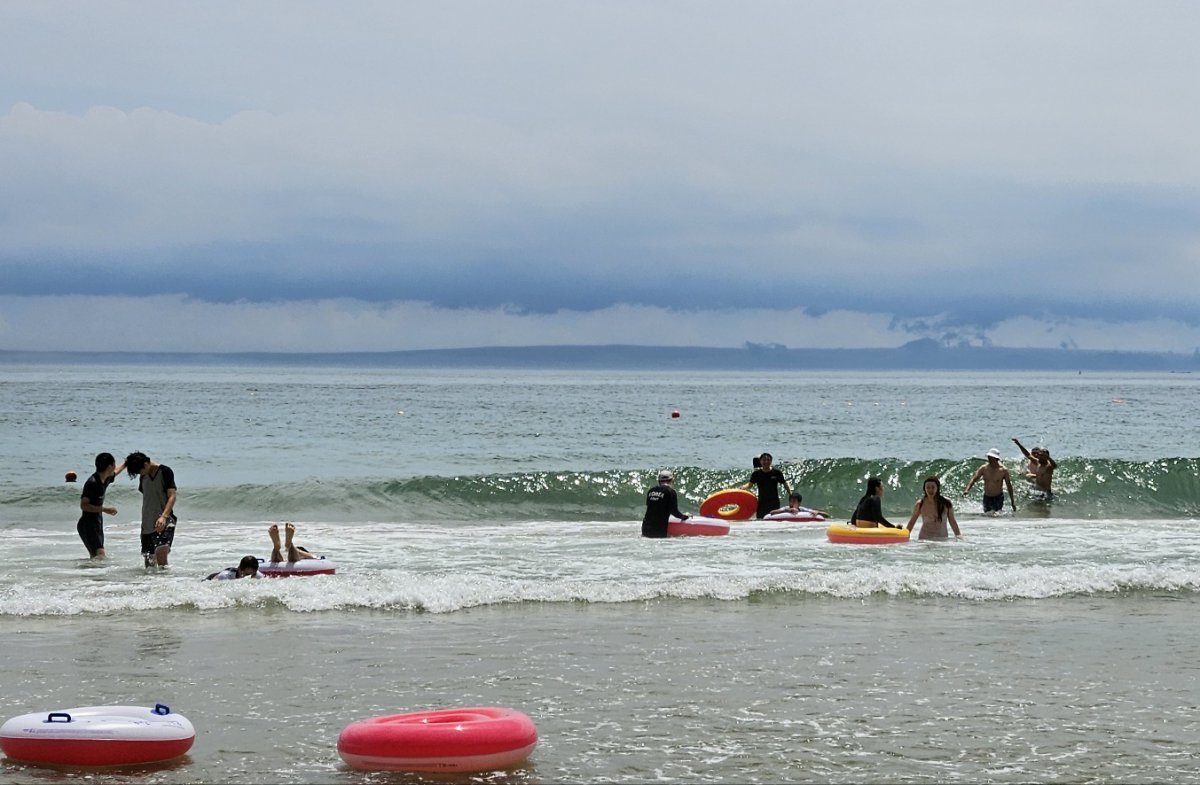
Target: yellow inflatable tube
(858,535)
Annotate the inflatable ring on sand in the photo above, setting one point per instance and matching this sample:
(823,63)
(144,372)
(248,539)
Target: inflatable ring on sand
(877,535)
(98,736)
(731,504)
(450,740)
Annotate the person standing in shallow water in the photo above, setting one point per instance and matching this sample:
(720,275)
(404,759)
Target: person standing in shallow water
(91,503)
(995,479)
(935,511)
(661,503)
(156,483)
(768,479)
(1041,468)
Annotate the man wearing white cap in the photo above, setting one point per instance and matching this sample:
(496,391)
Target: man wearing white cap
(661,504)
(995,478)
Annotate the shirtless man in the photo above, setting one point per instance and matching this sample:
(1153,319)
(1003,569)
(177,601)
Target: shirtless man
(995,479)
(1042,473)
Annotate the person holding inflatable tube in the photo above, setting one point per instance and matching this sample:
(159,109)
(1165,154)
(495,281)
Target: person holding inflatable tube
(248,566)
(868,514)
(661,503)
(794,507)
(768,479)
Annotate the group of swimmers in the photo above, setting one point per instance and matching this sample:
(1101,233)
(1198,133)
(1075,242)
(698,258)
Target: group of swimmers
(156,483)
(932,509)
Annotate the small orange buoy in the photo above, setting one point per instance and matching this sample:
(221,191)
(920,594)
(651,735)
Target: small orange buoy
(675,413)
(70,477)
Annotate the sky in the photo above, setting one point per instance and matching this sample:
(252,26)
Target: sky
(370,176)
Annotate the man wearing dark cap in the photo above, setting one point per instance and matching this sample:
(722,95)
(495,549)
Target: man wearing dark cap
(661,504)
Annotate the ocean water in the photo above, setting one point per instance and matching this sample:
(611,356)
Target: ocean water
(485,525)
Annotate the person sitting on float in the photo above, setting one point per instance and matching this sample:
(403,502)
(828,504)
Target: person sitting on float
(794,507)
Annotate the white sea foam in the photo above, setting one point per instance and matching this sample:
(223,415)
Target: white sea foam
(441,569)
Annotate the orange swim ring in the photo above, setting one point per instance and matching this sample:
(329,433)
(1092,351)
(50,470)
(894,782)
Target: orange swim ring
(731,504)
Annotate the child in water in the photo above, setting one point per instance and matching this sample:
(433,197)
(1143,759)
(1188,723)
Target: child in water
(795,509)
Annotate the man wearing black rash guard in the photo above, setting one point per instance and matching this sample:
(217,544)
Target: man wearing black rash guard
(768,480)
(869,512)
(91,503)
(661,504)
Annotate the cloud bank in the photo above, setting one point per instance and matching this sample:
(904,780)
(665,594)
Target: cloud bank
(175,323)
(387,176)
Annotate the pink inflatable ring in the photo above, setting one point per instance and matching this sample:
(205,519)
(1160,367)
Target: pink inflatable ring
(450,740)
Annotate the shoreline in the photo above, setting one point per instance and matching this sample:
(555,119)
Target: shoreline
(763,690)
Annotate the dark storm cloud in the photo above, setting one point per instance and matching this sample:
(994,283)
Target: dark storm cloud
(965,170)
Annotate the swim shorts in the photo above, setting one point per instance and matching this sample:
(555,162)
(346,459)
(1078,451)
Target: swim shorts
(993,503)
(92,534)
(154,540)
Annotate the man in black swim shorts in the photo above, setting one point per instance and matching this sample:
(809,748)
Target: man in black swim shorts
(995,478)
(156,482)
(91,502)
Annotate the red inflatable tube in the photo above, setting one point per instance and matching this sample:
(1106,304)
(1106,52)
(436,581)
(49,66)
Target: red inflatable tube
(696,527)
(450,740)
(731,504)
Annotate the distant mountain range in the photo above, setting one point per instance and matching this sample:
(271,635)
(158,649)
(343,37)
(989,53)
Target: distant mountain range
(916,355)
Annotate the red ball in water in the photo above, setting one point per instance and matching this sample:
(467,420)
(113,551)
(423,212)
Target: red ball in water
(70,477)
(675,413)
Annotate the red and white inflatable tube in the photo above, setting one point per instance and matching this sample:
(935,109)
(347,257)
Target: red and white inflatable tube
(450,740)
(98,736)
(286,569)
(807,516)
(696,527)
